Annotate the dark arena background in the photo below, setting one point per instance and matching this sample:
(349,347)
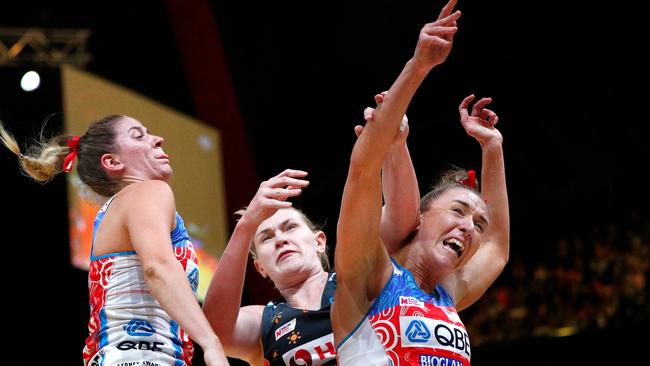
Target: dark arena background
(285,83)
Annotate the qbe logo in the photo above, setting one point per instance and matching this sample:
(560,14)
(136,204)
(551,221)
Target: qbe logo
(417,332)
(434,333)
(139,328)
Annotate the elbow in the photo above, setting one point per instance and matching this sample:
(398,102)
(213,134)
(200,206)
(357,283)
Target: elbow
(503,260)
(502,250)
(155,270)
(221,328)
(503,263)
(506,251)
(226,335)
(152,272)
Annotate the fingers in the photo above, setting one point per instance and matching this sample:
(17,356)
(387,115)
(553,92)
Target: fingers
(462,108)
(292,173)
(437,41)
(281,187)
(441,36)
(447,9)
(357,130)
(288,179)
(281,194)
(485,116)
(273,204)
(450,19)
(433,29)
(478,106)
(489,116)
(379,98)
(368,114)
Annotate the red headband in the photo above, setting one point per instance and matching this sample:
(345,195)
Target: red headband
(470,181)
(73,143)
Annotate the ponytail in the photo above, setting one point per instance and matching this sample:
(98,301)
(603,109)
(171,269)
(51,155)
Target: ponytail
(44,160)
(52,156)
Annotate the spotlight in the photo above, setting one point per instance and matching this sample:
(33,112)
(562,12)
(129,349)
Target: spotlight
(30,81)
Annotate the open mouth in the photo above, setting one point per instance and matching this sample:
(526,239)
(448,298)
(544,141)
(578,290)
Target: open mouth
(284,255)
(455,245)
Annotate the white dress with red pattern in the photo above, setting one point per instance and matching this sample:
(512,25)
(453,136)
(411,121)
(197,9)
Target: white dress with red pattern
(127,324)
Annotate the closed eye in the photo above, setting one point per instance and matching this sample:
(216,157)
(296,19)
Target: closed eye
(138,132)
(263,236)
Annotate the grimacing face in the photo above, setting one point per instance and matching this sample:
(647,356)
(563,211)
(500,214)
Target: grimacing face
(141,152)
(287,248)
(453,228)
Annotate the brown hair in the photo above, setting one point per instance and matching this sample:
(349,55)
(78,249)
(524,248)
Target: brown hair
(324,259)
(452,178)
(44,160)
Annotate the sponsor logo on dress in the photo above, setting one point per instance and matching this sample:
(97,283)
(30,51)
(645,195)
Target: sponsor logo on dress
(434,333)
(417,332)
(410,301)
(138,363)
(285,329)
(141,345)
(315,353)
(139,328)
(193,277)
(429,360)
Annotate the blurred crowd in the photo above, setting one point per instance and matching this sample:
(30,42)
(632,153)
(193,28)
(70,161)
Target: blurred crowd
(595,281)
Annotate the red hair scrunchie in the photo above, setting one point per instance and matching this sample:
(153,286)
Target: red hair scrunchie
(470,181)
(73,144)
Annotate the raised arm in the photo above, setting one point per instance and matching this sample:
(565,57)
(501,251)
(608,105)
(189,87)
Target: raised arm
(149,227)
(401,211)
(490,259)
(361,261)
(239,328)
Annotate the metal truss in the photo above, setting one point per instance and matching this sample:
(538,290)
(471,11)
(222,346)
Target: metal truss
(45,47)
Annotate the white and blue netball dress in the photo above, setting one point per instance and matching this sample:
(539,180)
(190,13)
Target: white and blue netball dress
(407,326)
(127,324)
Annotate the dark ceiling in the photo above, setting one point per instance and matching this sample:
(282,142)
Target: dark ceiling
(570,83)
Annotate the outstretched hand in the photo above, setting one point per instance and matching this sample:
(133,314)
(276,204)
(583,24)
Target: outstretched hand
(480,123)
(436,38)
(272,195)
(369,114)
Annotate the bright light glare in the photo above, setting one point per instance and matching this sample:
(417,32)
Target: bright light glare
(30,81)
